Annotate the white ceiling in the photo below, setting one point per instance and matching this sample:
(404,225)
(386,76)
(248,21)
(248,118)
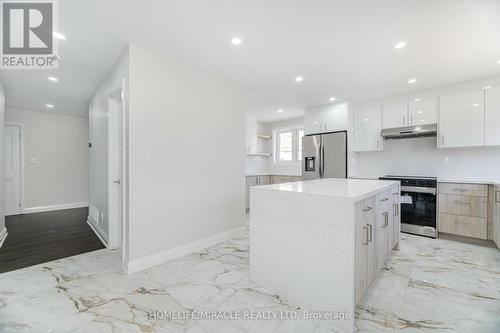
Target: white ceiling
(341,48)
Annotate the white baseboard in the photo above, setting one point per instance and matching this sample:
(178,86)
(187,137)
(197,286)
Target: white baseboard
(161,257)
(102,237)
(30,210)
(3,235)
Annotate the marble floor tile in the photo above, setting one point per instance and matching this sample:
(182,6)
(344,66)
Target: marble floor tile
(428,286)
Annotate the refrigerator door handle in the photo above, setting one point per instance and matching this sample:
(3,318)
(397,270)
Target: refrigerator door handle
(323,160)
(320,156)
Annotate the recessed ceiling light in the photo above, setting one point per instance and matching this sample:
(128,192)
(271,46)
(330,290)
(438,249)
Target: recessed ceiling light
(332,99)
(299,79)
(488,87)
(420,111)
(280,111)
(53,79)
(417,99)
(236,41)
(50,106)
(422,120)
(498,61)
(411,81)
(58,35)
(475,104)
(365,119)
(399,45)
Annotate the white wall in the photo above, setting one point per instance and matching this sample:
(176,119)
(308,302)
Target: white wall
(2,188)
(98,133)
(420,156)
(55,159)
(186,161)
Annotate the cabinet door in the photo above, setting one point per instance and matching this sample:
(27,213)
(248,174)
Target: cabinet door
(365,253)
(336,118)
(396,216)
(367,125)
(395,115)
(250,181)
(496,218)
(461,119)
(382,229)
(492,114)
(313,122)
(422,111)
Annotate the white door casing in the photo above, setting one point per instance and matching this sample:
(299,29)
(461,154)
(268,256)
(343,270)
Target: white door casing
(12,169)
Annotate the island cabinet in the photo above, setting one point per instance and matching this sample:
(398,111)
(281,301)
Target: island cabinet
(377,234)
(319,244)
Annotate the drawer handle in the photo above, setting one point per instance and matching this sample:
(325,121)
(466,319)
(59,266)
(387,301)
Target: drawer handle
(463,202)
(370,233)
(396,193)
(497,196)
(386,219)
(461,189)
(367,209)
(385,199)
(367,235)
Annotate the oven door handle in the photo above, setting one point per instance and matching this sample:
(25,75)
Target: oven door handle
(416,189)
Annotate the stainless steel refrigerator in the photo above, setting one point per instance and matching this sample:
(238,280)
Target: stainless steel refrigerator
(324,156)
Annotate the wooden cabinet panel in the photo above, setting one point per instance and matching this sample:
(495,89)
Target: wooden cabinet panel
(463,205)
(463,225)
(464,189)
(496,217)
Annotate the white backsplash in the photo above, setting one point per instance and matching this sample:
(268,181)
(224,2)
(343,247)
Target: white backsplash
(420,157)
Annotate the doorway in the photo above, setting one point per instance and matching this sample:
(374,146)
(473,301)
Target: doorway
(116,170)
(12,169)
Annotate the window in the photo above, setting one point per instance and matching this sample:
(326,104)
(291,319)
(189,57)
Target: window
(288,145)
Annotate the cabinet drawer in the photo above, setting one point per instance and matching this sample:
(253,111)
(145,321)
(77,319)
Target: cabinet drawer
(463,225)
(463,205)
(464,189)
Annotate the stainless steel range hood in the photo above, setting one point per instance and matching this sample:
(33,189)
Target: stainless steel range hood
(409,132)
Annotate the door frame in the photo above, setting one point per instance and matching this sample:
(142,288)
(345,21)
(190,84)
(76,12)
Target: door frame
(117,239)
(21,164)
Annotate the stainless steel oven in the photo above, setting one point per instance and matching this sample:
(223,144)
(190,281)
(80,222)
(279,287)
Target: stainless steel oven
(418,204)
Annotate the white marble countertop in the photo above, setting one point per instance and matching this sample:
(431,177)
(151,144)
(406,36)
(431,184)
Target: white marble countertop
(355,189)
(253,174)
(448,180)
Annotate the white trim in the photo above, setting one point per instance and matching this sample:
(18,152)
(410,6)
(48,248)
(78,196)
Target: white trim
(97,230)
(3,236)
(21,165)
(30,210)
(180,251)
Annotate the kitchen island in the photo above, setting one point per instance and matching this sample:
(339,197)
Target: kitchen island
(318,244)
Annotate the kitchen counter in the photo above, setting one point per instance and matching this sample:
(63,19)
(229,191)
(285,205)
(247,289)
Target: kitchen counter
(272,174)
(349,189)
(446,180)
(309,239)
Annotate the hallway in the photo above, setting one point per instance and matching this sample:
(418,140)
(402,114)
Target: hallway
(41,237)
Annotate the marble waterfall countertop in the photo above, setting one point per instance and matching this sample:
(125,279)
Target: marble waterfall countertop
(353,189)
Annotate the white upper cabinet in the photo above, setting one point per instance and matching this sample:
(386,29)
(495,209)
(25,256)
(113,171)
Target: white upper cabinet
(422,111)
(395,115)
(367,125)
(461,119)
(330,118)
(492,116)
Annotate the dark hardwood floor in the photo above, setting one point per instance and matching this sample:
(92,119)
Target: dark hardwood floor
(40,237)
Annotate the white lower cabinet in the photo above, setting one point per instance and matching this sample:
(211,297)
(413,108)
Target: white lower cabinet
(461,119)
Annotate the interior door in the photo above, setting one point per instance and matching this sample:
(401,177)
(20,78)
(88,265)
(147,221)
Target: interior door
(334,156)
(12,165)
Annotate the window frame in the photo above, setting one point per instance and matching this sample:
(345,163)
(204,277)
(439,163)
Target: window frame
(295,144)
